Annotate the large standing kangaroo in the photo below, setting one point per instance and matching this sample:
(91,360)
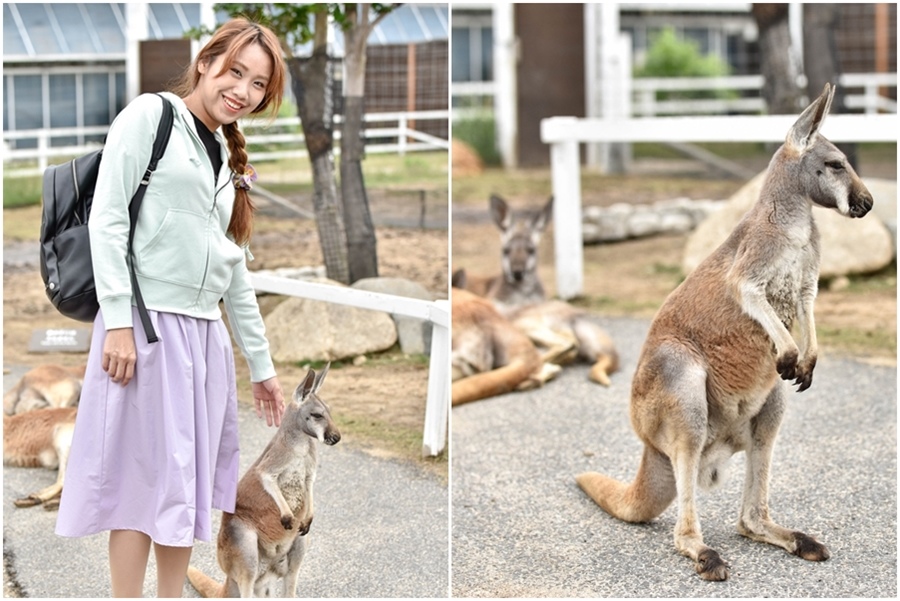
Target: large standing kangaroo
(707,383)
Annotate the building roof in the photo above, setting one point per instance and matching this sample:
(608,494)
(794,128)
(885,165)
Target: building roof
(96,31)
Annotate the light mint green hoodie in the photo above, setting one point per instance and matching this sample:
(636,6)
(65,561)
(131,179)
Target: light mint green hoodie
(184,260)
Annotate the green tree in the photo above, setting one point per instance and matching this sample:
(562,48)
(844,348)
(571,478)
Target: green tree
(297,24)
(670,56)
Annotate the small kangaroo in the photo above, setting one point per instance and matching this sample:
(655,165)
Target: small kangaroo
(707,383)
(264,540)
(40,438)
(45,386)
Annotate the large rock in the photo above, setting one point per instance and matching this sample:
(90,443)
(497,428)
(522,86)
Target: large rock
(301,329)
(849,246)
(414,334)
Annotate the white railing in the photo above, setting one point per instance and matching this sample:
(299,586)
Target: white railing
(437,313)
(645,90)
(565,134)
(405,138)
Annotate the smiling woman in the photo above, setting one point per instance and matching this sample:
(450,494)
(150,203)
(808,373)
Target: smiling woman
(155,442)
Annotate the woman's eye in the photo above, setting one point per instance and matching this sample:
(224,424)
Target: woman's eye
(235,71)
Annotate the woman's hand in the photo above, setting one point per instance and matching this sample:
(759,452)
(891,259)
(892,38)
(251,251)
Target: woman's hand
(267,395)
(119,355)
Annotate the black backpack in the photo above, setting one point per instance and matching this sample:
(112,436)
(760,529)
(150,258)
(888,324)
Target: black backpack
(67,195)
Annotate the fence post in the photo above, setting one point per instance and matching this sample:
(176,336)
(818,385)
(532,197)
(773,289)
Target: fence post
(437,404)
(43,147)
(565,165)
(401,124)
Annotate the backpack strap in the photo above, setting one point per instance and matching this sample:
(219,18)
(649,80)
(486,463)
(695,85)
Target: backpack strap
(163,132)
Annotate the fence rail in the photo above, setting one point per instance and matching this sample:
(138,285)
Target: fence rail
(403,138)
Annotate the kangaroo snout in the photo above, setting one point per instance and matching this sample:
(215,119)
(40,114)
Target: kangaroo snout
(861,202)
(332,438)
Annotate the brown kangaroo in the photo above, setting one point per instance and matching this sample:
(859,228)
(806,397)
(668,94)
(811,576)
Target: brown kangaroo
(489,355)
(264,540)
(40,438)
(707,383)
(45,386)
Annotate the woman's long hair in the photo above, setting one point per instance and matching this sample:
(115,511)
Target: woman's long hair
(229,40)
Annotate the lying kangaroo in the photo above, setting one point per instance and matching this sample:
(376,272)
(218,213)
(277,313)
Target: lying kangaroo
(490,356)
(40,438)
(707,382)
(563,330)
(265,538)
(45,386)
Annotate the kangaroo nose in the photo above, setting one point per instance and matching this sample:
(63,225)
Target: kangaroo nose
(861,203)
(333,438)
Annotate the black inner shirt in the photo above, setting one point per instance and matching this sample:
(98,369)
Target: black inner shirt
(212,146)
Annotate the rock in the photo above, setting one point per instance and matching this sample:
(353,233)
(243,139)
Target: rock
(849,246)
(301,329)
(414,334)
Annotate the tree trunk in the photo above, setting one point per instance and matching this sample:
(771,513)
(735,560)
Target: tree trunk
(361,242)
(780,89)
(821,62)
(311,79)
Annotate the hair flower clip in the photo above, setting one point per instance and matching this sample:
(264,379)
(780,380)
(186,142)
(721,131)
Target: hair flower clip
(245,180)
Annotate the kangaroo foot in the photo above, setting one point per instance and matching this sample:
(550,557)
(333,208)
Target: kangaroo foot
(598,374)
(29,501)
(809,548)
(710,566)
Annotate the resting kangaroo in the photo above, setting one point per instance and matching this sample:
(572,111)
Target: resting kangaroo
(265,538)
(40,438)
(45,386)
(565,331)
(489,355)
(707,382)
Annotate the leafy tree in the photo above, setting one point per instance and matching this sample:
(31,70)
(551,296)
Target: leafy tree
(297,24)
(669,56)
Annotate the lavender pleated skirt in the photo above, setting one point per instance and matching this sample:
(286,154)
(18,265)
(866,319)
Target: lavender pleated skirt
(159,454)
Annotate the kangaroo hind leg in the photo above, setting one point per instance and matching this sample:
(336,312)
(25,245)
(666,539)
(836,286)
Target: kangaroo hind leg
(755,522)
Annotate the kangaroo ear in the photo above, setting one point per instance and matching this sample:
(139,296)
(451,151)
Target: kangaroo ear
(459,278)
(321,377)
(543,218)
(810,121)
(305,387)
(500,212)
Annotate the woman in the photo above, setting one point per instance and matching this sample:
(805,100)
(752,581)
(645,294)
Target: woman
(155,446)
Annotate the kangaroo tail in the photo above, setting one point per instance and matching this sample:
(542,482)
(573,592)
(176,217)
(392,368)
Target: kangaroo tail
(652,490)
(206,586)
(497,381)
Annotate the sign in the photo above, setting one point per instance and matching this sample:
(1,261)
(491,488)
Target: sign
(60,340)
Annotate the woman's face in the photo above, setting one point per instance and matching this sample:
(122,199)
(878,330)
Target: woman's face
(220,99)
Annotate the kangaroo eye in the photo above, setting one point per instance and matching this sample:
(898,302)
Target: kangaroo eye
(836,165)
(316,415)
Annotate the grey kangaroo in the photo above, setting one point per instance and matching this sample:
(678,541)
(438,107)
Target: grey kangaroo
(565,331)
(264,540)
(708,382)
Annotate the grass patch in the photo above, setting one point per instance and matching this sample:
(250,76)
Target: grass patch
(21,191)
(857,341)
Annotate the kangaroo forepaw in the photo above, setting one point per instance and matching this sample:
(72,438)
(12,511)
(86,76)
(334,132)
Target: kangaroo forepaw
(288,522)
(805,374)
(809,548)
(304,528)
(710,566)
(787,365)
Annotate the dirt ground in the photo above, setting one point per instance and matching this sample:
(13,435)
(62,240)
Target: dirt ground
(379,404)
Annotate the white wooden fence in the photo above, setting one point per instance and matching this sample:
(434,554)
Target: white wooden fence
(407,139)
(437,313)
(565,134)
